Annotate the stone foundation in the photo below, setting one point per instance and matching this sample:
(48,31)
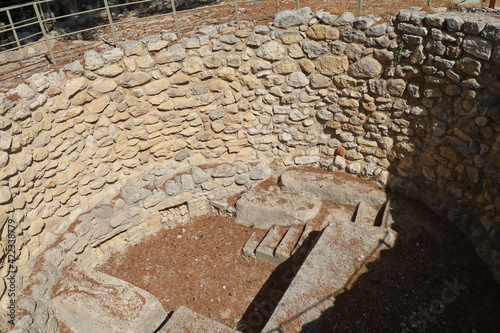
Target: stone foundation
(123,142)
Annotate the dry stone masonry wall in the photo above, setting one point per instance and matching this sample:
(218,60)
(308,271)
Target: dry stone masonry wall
(123,142)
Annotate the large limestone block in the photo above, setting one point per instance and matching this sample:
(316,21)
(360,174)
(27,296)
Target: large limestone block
(265,205)
(91,301)
(333,187)
(184,320)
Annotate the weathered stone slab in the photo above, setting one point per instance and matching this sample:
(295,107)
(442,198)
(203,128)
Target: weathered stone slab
(263,207)
(341,249)
(184,320)
(332,187)
(91,301)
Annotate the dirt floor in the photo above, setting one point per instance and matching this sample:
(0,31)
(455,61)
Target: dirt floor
(201,266)
(257,12)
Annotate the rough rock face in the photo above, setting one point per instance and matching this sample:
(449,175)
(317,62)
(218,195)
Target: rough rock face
(415,96)
(91,301)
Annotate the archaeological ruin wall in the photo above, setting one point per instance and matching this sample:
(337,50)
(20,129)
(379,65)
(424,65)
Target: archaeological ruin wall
(122,143)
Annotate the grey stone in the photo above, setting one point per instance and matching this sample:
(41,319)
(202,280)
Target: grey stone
(271,51)
(328,19)
(172,187)
(133,194)
(350,35)
(132,47)
(345,19)
(187,182)
(477,46)
(93,60)
(5,140)
(297,80)
(366,68)
(492,31)
(91,307)
(261,30)
(261,170)
(290,18)
(329,187)
(185,320)
(469,66)
(223,171)
(473,26)
(113,55)
(411,29)
(228,39)
(207,30)
(377,31)
(454,23)
(313,49)
(362,23)
(200,176)
(24,91)
(75,67)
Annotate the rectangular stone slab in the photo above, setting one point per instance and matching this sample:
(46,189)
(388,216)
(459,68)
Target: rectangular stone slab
(91,301)
(339,252)
(186,321)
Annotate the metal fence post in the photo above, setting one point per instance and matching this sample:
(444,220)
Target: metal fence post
(492,4)
(13,28)
(44,33)
(428,3)
(360,5)
(297,4)
(111,23)
(236,11)
(175,19)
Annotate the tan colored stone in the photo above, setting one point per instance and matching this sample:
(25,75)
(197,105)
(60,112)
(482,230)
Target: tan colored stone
(75,85)
(157,86)
(130,80)
(285,66)
(306,65)
(332,65)
(180,78)
(289,37)
(193,65)
(226,73)
(103,86)
(320,32)
(98,105)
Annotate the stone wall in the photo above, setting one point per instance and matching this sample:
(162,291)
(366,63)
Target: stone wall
(123,142)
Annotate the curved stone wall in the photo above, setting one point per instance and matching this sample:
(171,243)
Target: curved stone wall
(122,142)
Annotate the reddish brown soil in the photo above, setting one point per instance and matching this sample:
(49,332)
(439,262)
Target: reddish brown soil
(199,265)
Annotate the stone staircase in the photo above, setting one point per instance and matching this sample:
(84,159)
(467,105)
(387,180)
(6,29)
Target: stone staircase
(337,230)
(279,243)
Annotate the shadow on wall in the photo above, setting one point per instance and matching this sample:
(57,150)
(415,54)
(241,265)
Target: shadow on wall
(430,281)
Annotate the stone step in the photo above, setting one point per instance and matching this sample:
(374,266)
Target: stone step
(288,243)
(367,213)
(335,260)
(266,248)
(252,242)
(184,320)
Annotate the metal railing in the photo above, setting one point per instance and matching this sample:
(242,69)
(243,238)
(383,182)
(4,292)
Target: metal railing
(42,21)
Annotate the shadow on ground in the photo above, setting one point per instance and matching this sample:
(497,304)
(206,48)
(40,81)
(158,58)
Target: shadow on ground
(430,281)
